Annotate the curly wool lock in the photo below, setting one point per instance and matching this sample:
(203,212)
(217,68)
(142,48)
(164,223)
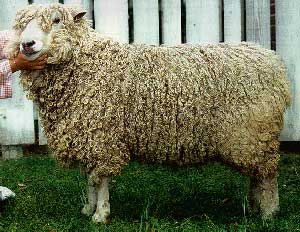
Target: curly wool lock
(102,102)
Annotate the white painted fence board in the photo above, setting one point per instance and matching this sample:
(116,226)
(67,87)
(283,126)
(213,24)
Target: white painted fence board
(258,27)
(171,22)
(288,47)
(112,19)
(16,122)
(86,4)
(232,21)
(146,21)
(202,21)
(8,10)
(16,113)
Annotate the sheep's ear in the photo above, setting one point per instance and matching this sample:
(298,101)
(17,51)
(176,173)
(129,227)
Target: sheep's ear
(78,15)
(76,11)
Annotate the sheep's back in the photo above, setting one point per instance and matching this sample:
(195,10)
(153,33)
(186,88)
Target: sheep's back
(172,100)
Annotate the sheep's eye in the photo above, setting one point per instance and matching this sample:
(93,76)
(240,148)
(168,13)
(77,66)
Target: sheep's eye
(56,21)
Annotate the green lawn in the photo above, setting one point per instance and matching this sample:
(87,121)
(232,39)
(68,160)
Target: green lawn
(143,198)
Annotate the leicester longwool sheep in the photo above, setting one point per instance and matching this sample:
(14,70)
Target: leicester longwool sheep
(103,103)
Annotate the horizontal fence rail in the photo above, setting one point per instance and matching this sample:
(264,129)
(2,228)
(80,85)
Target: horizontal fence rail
(165,22)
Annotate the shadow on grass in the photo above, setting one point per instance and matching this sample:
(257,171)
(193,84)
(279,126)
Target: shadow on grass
(212,190)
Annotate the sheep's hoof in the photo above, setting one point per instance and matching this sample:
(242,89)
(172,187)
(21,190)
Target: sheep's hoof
(270,215)
(88,210)
(98,218)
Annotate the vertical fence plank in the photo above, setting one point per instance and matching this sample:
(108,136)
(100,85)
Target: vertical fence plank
(146,21)
(111,19)
(171,22)
(8,11)
(86,4)
(287,46)
(16,113)
(202,21)
(258,27)
(232,21)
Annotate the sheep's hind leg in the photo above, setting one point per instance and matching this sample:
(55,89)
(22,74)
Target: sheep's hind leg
(263,196)
(103,205)
(90,207)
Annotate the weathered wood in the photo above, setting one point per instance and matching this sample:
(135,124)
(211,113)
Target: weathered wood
(287,46)
(11,152)
(16,118)
(232,21)
(112,19)
(86,4)
(258,27)
(8,10)
(146,21)
(171,22)
(16,113)
(202,21)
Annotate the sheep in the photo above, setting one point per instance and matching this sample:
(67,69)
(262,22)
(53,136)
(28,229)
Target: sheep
(103,103)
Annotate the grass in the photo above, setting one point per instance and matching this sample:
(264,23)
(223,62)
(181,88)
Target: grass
(143,198)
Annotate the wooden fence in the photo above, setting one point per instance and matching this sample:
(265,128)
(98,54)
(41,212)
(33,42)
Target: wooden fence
(169,22)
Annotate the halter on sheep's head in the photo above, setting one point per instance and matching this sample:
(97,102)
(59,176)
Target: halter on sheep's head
(54,29)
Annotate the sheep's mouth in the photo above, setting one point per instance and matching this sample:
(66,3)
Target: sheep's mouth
(32,49)
(31,55)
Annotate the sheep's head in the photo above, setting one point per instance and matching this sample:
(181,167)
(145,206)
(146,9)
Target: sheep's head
(54,29)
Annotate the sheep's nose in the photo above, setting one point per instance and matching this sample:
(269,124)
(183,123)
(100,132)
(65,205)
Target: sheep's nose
(28,44)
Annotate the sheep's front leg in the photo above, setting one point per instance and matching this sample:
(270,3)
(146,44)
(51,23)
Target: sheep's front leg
(103,206)
(263,196)
(90,207)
